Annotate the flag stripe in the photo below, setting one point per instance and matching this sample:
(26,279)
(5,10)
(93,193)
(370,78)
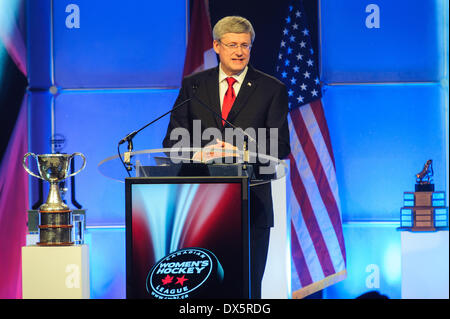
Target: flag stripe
(317,139)
(299,259)
(319,175)
(310,219)
(315,197)
(317,109)
(319,208)
(320,145)
(305,241)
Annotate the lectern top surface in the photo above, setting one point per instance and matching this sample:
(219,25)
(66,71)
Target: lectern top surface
(168,162)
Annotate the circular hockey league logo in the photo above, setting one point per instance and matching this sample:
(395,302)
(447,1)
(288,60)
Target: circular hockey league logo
(185,273)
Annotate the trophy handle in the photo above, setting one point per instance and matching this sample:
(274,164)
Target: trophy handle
(82,166)
(26,167)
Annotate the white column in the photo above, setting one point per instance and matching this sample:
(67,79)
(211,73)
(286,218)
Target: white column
(55,272)
(276,283)
(425,265)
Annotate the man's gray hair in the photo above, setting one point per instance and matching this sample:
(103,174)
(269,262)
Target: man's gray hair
(233,24)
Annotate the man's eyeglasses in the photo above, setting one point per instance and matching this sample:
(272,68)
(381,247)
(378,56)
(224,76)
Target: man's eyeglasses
(235,46)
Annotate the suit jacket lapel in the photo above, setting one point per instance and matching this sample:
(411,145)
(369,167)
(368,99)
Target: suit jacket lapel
(212,87)
(247,88)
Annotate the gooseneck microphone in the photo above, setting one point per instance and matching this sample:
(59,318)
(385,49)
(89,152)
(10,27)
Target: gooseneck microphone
(129,138)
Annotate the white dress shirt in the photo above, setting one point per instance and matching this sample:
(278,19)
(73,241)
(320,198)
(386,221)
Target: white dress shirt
(223,84)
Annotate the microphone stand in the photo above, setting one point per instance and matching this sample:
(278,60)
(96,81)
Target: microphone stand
(246,154)
(129,138)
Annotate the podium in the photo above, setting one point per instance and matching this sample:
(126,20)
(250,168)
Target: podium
(187,225)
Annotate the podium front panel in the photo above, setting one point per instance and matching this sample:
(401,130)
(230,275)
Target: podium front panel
(187,237)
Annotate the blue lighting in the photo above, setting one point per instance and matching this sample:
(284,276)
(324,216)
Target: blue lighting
(374,266)
(392,263)
(106,262)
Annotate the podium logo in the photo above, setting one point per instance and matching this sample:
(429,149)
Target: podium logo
(73,276)
(183,273)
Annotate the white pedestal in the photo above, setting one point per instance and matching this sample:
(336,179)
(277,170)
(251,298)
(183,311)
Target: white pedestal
(276,282)
(55,272)
(425,265)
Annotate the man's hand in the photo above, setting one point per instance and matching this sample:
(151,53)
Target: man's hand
(217,150)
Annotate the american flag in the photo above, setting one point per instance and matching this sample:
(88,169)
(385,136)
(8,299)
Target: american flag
(317,242)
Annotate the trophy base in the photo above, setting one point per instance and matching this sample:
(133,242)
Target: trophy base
(44,208)
(55,218)
(423,210)
(55,244)
(424,187)
(419,229)
(55,228)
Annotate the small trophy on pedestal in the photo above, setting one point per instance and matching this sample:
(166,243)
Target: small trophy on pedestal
(424,209)
(55,217)
(424,178)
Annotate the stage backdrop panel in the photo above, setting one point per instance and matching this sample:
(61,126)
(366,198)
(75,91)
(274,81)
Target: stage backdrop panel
(381,41)
(93,122)
(39,45)
(119,44)
(382,136)
(370,267)
(105,43)
(107,263)
(40,117)
(39,134)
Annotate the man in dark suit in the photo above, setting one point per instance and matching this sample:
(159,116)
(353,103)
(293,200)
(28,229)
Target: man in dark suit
(249,99)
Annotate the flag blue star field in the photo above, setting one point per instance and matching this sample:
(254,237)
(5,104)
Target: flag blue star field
(317,242)
(296,61)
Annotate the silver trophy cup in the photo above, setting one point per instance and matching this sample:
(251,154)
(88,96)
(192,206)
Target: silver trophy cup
(55,217)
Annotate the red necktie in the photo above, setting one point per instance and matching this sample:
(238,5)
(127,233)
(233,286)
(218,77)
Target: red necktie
(228,99)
